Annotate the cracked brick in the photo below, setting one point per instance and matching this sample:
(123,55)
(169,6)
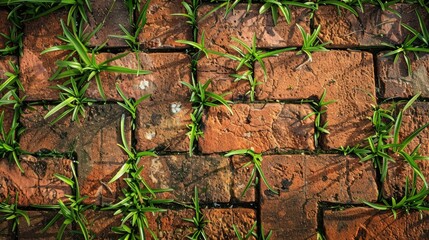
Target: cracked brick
(262,127)
(302,182)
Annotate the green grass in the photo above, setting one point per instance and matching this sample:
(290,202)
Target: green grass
(252,233)
(11,212)
(198,220)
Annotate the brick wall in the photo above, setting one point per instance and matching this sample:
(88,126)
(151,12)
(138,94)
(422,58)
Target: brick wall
(320,190)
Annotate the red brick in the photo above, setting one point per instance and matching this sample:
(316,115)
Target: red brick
(262,127)
(366,223)
(168,70)
(302,182)
(94,139)
(100,224)
(371,28)
(39,219)
(348,83)
(243,25)
(162,29)
(36,69)
(8,117)
(170,225)
(218,70)
(163,126)
(395,81)
(240,178)
(110,13)
(4,27)
(212,174)
(37,185)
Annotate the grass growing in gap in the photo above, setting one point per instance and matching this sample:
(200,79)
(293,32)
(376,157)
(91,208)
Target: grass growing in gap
(191,14)
(201,99)
(252,234)
(248,58)
(311,42)
(10,212)
(9,146)
(139,198)
(256,162)
(72,211)
(130,105)
(413,199)
(198,220)
(319,108)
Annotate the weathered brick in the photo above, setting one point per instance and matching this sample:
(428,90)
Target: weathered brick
(37,185)
(36,69)
(240,178)
(4,27)
(243,25)
(218,70)
(93,138)
(100,224)
(162,29)
(371,28)
(302,182)
(39,219)
(366,223)
(413,118)
(6,230)
(168,70)
(395,81)
(110,13)
(170,225)
(5,68)
(349,83)
(262,127)
(163,126)
(212,174)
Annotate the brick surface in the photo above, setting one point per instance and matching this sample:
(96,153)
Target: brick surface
(212,174)
(262,127)
(395,81)
(303,181)
(163,126)
(218,70)
(37,185)
(36,69)
(168,70)
(366,223)
(170,225)
(94,139)
(110,13)
(39,219)
(6,230)
(243,25)
(162,29)
(5,68)
(348,83)
(371,28)
(100,224)
(4,27)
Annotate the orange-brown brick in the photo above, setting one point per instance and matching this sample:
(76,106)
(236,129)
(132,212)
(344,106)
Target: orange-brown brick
(262,127)
(349,81)
(303,181)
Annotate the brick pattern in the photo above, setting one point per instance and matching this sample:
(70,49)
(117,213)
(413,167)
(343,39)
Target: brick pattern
(4,27)
(318,190)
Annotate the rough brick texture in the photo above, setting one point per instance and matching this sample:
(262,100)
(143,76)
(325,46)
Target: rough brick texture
(262,127)
(94,139)
(303,181)
(37,185)
(36,69)
(241,24)
(348,83)
(170,225)
(6,230)
(371,28)
(212,174)
(366,223)
(39,219)
(101,223)
(395,80)
(110,14)
(163,126)
(163,83)
(4,27)
(162,29)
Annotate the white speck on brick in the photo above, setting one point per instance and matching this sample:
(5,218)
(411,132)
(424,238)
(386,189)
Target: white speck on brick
(144,84)
(149,135)
(176,107)
(247,134)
